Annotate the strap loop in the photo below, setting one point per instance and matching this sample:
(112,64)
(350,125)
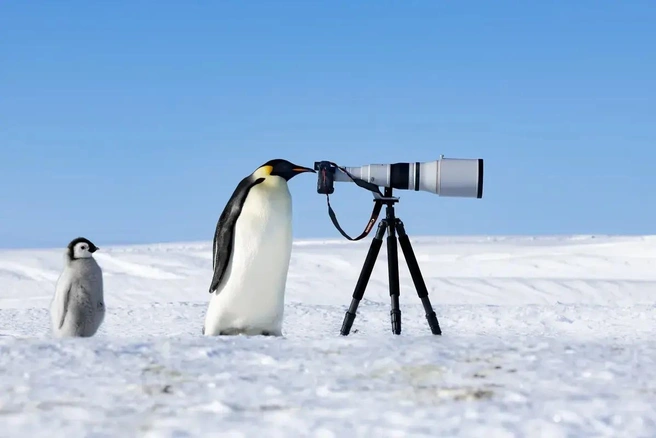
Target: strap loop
(374,214)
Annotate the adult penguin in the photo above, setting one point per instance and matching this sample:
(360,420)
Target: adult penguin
(251,253)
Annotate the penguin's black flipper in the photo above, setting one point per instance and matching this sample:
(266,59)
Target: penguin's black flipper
(223,236)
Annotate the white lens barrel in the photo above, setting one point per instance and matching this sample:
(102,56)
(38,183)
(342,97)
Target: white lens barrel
(378,174)
(452,177)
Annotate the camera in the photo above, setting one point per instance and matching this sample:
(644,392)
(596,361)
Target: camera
(449,177)
(325,177)
(454,177)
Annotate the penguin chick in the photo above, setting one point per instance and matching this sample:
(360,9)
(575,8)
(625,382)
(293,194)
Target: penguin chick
(78,308)
(251,253)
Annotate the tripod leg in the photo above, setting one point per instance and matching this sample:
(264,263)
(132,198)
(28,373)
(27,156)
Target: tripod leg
(365,274)
(417,278)
(393,271)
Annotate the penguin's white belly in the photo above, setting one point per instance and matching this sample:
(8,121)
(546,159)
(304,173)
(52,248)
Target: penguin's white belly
(250,299)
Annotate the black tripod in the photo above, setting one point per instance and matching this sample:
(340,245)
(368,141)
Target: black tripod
(392,225)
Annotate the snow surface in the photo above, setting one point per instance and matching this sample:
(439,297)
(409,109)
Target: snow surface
(542,337)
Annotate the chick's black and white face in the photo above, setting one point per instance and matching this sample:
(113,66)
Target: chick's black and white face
(81,251)
(81,248)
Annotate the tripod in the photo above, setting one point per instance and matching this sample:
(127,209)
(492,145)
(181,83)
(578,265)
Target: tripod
(392,225)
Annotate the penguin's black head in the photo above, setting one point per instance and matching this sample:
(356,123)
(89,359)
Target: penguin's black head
(283,169)
(81,247)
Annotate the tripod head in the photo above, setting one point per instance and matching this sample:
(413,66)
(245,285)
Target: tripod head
(386,198)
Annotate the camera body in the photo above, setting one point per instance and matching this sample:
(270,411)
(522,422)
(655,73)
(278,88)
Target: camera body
(325,177)
(449,177)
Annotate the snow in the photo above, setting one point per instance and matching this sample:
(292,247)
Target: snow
(542,336)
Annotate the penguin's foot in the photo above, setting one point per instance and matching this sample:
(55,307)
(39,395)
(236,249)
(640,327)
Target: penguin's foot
(270,333)
(248,332)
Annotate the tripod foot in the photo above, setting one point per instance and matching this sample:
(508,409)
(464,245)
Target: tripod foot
(431,317)
(396,321)
(349,318)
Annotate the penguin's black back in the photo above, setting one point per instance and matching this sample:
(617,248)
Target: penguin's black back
(225,228)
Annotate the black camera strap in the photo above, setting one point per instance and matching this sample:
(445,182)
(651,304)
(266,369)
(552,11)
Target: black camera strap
(374,214)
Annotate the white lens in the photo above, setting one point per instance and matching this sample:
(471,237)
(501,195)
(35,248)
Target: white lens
(452,177)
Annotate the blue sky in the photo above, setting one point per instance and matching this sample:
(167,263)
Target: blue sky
(132,122)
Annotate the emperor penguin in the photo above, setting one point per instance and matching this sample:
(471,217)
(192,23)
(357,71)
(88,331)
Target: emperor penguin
(78,308)
(251,253)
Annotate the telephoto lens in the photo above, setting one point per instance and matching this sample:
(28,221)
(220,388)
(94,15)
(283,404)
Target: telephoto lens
(449,177)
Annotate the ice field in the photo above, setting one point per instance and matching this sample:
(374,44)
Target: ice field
(542,337)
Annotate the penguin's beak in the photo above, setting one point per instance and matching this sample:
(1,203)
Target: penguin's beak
(93,249)
(289,170)
(301,169)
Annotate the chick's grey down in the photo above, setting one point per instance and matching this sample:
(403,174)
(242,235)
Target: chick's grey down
(78,308)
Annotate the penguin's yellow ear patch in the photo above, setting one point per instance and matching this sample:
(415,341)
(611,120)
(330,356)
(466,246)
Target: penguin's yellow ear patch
(263,171)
